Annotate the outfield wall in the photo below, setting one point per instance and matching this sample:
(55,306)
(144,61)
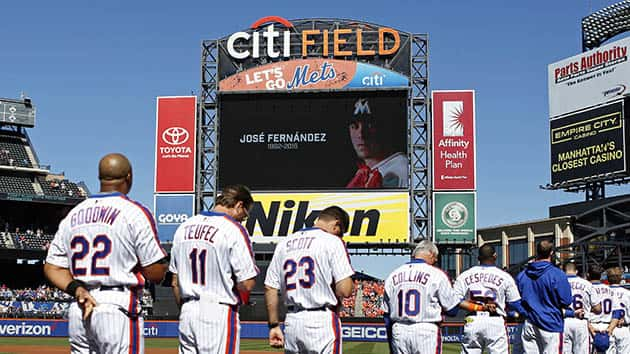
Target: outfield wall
(359,332)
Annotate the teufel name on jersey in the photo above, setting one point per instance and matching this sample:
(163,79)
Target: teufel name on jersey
(203,232)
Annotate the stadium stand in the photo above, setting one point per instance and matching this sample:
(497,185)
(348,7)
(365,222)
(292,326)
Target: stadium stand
(41,302)
(16,183)
(14,149)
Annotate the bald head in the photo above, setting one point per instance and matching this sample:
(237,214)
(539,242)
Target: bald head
(114,172)
(570,269)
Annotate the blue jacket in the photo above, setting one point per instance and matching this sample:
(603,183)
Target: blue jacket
(545,291)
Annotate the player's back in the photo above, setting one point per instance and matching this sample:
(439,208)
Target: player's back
(306,265)
(416,292)
(608,301)
(623,298)
(584,295)
(487,283)
(106,237)
(210,252)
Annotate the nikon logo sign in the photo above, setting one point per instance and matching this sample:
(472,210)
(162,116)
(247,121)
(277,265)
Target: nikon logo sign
(374,216)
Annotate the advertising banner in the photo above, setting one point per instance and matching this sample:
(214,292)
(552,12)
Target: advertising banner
(352,332)
(588,143)
(314,141)
(277,39)
(590,78)
(454,217)
(170,211)
(374,216)
(176,132)
(313,74)
(454,161)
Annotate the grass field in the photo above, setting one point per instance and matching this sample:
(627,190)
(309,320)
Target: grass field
(168,345)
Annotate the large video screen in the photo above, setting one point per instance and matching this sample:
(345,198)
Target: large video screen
(588,143)
(314,141)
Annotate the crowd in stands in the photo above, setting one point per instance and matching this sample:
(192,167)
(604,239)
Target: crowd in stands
(30,238)
(46,302)
(60,187)
(41,302)
(366,300)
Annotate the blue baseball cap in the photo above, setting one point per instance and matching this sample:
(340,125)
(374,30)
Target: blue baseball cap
(601,342)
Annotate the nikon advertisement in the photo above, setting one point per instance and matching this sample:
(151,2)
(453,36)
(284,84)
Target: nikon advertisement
(588,143)
(374,216)
(314,141)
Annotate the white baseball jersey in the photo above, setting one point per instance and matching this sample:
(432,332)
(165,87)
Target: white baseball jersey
(305,264)
(584,295)
(576,335)
(104,239)
(394,169)
(210,252)
(485,283)
(609,303)
(621,335)
(417,292)
(623,297)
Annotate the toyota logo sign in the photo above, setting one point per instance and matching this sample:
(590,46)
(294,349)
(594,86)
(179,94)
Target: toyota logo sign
(175,136)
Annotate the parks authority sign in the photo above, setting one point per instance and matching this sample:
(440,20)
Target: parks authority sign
(454,217)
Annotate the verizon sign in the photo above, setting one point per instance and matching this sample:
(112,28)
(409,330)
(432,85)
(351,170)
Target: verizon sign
(453,136)
(175,144)
(591,78)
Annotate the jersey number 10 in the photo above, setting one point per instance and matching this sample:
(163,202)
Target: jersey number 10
(409,302)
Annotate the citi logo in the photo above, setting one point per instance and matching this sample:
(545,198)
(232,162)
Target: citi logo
(175,136)
(616,90)
(270,35)
(242,45)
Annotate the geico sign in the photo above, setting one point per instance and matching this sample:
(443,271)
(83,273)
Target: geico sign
(287,213)
(172,218)
(242,45)
(364,332)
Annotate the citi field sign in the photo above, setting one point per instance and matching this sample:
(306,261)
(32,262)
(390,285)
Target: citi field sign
(242,45)
(320,58)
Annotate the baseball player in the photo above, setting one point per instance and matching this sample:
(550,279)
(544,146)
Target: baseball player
(486,283)
(371,137)
(415,295)
(312,270)
(577,339)
(546,297)
(213,270)
(607,320)
(621,334)
(103,250)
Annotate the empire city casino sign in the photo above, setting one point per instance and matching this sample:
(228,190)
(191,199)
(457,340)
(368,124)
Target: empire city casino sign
(243,45)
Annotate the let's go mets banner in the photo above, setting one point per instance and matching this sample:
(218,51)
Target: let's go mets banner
(175,144)
(374,216)
(313,74)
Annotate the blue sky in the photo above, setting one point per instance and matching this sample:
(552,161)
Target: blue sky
(93,69)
